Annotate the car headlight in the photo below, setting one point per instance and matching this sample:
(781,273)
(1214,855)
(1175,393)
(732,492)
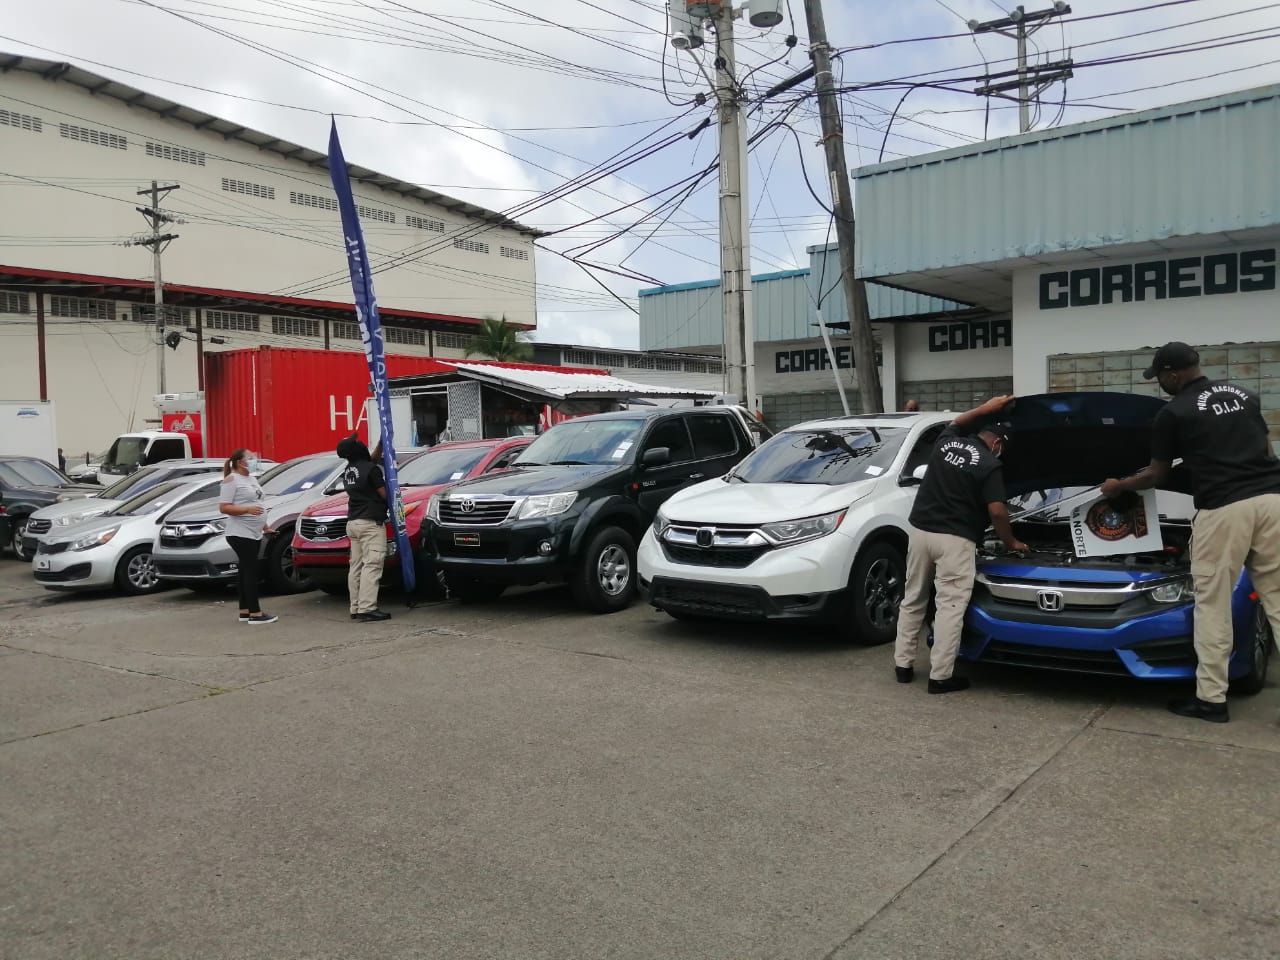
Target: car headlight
(1174,591)
(433,508)
(806,528)
(660,523)
(548,505)
(210,529)
(95,539)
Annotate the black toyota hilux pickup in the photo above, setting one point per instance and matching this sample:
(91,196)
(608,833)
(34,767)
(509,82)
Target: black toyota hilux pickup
(576,503)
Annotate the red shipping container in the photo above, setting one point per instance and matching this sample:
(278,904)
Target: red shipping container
(286,403)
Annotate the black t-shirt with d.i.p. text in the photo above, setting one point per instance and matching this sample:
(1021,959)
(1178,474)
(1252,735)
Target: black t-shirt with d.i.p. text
(963,477)
(362,479)
(1219,432)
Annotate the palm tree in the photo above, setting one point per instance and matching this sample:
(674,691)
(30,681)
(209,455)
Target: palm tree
(499,340)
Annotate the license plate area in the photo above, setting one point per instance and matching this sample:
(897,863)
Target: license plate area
(466,539)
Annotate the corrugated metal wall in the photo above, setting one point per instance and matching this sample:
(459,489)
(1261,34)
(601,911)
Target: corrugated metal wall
(1199,168)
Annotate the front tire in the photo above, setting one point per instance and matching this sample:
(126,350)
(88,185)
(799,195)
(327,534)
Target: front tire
(136,573)
(283,575)
(876,587)
(19,530)
(1261,643)
(605,580)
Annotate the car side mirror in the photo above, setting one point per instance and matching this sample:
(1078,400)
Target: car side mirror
(916,478)
(656,457)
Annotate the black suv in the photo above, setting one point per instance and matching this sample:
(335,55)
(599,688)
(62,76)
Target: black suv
(26,485)
(576,503)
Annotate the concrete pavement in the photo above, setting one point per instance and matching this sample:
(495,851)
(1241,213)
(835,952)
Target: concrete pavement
(520,780)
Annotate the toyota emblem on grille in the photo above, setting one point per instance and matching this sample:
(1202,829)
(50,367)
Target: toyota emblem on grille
(467,505)
(321,530)
(1049,601)
(706,536)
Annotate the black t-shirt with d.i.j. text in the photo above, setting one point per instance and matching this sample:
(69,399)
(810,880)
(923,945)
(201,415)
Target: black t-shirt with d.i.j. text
(1219,432)
(362,480)
(963,477)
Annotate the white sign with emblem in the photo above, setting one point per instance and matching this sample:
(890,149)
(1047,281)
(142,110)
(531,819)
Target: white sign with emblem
(1100,529)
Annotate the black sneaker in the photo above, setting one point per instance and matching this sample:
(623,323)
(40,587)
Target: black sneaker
(1199,709)
(373,616)
(260,618)
(244,617)
(355,616)
(904,674)
(949,685)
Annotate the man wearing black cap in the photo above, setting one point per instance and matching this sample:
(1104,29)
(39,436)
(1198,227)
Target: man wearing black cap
(366,528)
(1219,432)
(963,488)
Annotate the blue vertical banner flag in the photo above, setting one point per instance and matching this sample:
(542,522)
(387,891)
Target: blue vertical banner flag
(374,351)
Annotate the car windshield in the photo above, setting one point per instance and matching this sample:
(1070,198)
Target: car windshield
(442,465)
(126,451)
(298,476)
(37,472)
(830,456)
(133,484)
(156,498)
(584,441)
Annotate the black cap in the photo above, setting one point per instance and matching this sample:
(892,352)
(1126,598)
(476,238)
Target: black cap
(1174,355)
(1000,429)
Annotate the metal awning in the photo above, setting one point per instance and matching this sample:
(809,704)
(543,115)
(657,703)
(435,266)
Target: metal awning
(554,387)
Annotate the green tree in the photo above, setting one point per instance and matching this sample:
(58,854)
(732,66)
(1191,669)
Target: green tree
(499,340)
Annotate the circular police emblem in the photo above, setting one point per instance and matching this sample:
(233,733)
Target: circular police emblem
(1111,524)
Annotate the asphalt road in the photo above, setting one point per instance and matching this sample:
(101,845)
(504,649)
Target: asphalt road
(523,781)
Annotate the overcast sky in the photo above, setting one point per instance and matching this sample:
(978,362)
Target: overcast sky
(499,101)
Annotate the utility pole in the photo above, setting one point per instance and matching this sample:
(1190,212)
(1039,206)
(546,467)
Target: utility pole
(1023,25)
(870,394)
(158,241)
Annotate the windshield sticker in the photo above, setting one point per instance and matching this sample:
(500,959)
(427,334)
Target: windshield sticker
(621,452)
(874,470)
(457,475)
(308,485)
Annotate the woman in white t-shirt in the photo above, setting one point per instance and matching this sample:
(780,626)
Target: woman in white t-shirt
(240,501)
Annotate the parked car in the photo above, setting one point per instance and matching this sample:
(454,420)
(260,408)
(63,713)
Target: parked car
(192,548)
(115,548)
(68,512)
(577,501)
(1122,616)
(322,551)
(811,527)
(26,485)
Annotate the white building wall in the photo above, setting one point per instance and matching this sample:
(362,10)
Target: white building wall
(931,351)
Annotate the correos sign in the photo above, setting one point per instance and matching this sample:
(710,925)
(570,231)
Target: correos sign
(1176,278)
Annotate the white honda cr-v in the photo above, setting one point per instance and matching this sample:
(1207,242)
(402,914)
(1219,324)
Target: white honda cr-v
(811,526)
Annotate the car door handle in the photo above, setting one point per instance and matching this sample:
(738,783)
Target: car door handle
(696,476)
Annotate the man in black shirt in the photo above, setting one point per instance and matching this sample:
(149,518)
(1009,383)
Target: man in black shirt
(366,528)
(1219,432)
(963,489)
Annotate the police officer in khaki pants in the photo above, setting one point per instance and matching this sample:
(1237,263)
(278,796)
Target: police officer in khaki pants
(366,528)
(963,489)
(1219,432)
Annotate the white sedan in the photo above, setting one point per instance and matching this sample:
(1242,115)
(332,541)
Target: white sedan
(115,548)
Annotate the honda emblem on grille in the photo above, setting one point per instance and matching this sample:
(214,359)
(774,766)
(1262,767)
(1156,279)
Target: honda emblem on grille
(706,536)
(1050,601)
(467,505)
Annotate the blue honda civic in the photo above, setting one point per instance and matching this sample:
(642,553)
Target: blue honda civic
(1128,615)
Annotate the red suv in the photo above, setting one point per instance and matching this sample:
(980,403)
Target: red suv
(321,548)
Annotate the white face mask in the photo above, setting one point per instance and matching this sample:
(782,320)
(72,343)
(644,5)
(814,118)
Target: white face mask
(253,464)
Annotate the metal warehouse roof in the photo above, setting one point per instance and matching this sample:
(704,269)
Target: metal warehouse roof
(99,85)
(956,223)
(557,386)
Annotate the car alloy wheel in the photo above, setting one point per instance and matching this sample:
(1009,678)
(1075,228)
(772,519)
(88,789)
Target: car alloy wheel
(882,594)
(20,531)
(614,570)
(141,572)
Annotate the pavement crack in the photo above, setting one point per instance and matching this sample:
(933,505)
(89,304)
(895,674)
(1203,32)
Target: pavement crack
(1194,740)
(1090,722)
(90,723)
(107,666)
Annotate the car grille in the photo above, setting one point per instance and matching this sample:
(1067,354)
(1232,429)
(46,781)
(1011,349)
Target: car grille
(54,547)
(483,512)
(322,528)
(1104,662)
(75,572)
(718,600)
(185,542)
(725,557)
(164,569)
(39,526)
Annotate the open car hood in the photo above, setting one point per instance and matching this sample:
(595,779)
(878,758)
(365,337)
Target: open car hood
(1079,440)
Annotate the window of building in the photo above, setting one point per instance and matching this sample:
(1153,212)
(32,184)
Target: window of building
(99,138)
(667,363)
(454,341)
(584,358)
(167,151)
(23,121)
(295,327)
(424,223)
(404,335)
(375,213)
(312,200)
(173,316)
(227,320)
(638,361)
(471,246)
(514,253)
(14,302)
(82,307)
(248,189)
(344,330)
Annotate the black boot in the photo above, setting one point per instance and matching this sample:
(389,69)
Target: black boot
(949,685)
(1199,709)
(904,674)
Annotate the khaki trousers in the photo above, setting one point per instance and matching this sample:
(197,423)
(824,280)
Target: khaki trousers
(1242,534)
(948,563)
(368,553)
